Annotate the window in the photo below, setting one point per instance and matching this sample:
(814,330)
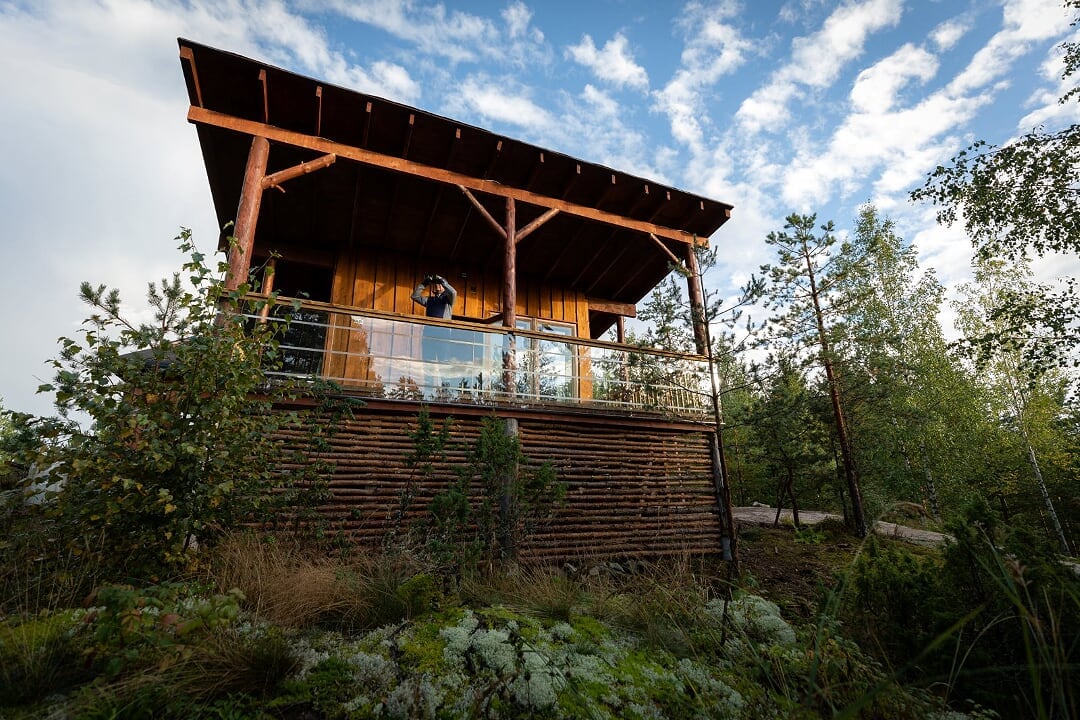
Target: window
(547,368)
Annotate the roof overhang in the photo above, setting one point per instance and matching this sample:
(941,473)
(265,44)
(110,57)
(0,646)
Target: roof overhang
(412,182)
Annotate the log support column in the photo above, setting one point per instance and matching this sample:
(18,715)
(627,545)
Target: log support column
(509,296)
(507,498)
(247,215)
(697,300)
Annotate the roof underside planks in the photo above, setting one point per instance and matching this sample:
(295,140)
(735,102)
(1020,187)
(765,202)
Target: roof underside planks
(401,190)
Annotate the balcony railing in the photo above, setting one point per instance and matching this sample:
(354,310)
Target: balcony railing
(418,358)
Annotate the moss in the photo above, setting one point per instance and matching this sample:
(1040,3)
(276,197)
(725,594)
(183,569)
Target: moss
(589,628)
(422,647)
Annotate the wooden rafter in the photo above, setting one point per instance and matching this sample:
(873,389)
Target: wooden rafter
(189,57)
(612,263)
(265,95)
(367,125)
(666,249)
(528,229)
(400,165)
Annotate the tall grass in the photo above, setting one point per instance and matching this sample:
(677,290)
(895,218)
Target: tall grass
(293,585)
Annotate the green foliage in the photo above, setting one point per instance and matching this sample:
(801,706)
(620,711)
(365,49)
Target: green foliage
(40,656)
(157,622)
(496,500)
(183,440)
(802,286)
(992,628)
(1016,201)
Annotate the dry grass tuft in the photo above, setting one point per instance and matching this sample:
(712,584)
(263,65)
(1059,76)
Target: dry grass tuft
(285,584)
(296,586)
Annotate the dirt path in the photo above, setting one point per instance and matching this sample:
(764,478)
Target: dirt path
(759,515)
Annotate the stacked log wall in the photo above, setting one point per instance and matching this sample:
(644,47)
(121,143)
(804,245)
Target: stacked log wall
(633,489)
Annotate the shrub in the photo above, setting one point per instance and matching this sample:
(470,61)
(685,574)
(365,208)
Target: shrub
(498,499)
(182,443)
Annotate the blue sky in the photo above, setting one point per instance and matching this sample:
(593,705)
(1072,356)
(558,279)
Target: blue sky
(781,106)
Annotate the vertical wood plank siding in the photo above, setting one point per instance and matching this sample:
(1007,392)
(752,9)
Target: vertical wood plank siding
(383,281)
(631,491)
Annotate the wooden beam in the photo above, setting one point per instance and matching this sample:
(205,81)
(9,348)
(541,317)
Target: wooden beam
(400,165)
(528,229)
(247,215)
(187,55)
(615,308)
(275,180)
(666,249)
(483,211)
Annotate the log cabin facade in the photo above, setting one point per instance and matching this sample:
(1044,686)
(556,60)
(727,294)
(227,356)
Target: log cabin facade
(346,201)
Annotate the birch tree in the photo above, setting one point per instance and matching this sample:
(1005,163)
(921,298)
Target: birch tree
(1022,398)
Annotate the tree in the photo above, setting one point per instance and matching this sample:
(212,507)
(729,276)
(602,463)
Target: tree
(690,325)
(1018,201)
(800,287)
(1024,406)
(183,442)
(888,333)
(788,437)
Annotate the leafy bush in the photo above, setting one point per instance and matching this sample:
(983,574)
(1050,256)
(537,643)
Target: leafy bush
(183,439)
(981,625)
(497,500)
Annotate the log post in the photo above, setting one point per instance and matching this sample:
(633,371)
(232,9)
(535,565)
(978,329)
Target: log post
(510,267)
(267,287)
(507,499)
(509,296)
(697,300)
(247,214)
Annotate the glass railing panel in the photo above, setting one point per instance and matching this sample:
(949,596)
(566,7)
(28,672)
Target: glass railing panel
(414,359)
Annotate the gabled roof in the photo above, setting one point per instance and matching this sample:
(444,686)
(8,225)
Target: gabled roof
(398,178)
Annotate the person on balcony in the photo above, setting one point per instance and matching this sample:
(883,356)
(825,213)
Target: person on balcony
(440,298)
(439,350)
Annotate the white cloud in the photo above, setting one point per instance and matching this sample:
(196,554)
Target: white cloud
(948,33)
(518,16)
(489,99)
(1048,113)
(457,36)
(714,49)
(600,103)
(816,60)
(876,88)
(614,63)
(1024,22)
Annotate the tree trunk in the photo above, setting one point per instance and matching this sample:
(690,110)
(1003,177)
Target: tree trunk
(1046,498)
(857,517)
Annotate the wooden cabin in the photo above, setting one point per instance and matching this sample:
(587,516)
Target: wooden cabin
(347,201)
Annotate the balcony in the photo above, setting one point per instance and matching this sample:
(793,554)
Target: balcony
(385,355)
